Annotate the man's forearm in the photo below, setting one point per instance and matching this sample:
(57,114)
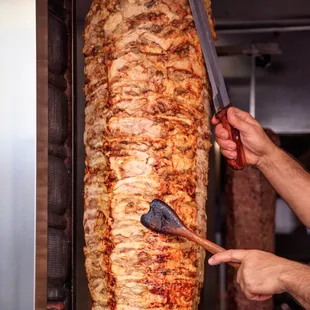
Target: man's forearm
(290,180)
(296,282)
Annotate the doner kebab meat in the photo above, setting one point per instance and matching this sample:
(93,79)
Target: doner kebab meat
(147,135)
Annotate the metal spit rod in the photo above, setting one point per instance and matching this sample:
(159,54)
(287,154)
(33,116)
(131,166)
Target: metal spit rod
(253,82)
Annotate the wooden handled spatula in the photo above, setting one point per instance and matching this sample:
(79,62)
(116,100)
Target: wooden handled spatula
(162,219)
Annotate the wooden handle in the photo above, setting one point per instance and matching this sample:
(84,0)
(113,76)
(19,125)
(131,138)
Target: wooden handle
(234,134)
(208,245)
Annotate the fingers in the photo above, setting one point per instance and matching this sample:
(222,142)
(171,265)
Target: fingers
(227,145)
(215,120)
(239,120)
(251,296)
(261,297)
(245,116)
(228,256)
(243,121)
(248,293)
(220,132)
(229,154)
(256,297)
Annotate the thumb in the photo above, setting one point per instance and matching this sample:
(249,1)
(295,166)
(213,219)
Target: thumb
(239,121)
(228,256)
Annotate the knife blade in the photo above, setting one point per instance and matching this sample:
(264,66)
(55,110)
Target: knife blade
(220,96)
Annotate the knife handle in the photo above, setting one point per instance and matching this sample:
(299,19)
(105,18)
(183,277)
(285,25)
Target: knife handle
(239,162)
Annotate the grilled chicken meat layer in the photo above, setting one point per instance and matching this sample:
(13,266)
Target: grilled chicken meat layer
(146,136)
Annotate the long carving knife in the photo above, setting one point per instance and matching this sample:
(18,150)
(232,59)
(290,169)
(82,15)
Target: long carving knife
(221,100)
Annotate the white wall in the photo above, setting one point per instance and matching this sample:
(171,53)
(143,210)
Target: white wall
(17,153)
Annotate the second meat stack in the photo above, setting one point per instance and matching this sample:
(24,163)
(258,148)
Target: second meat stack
(250,223)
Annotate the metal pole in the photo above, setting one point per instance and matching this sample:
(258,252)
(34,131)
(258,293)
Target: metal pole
(253,83)
(230,27)
(263,30)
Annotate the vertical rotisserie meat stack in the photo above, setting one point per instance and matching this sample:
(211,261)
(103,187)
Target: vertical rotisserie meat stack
(146,136)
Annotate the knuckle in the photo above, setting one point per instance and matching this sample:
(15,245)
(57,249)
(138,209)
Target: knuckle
(218,139)
(216,257)
(247,294)
(226,153)
(249,286)
(224,148)
(250,289)
(220,142)
(250,295)
(231,254)
(218,129)
(248,116)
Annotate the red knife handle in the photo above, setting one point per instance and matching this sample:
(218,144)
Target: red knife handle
(239,162)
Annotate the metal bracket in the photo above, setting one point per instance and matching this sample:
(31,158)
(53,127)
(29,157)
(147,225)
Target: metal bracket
(254,51)
(259,49)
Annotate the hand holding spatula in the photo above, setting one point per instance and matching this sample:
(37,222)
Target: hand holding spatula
(162,219)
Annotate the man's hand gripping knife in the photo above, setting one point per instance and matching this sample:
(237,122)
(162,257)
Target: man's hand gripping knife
(263,274)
